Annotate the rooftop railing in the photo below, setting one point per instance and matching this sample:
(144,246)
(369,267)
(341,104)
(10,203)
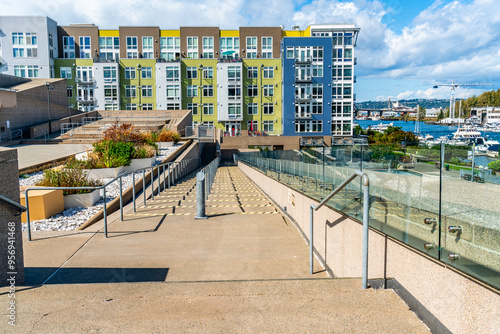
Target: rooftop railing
(432,199)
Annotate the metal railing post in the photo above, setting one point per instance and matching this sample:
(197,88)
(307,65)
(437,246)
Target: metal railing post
(27,213)
(164,180)
(159,180)
(144,185)
(105,214)
(133,190)
(168,176)
(311,238)
(366,209)
(152,185)
(121,199)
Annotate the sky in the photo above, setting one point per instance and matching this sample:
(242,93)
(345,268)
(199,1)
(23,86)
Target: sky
(403,49)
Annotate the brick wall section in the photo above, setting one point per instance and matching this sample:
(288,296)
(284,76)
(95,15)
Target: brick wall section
(199,32)
(76,31)
(139,32)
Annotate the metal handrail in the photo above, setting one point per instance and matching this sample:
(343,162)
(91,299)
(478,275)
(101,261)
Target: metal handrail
(13,203)
(210,170)
(366,208)
(11,135)
(175,171)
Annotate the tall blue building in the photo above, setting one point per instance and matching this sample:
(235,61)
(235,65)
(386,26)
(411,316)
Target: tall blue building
(318,79)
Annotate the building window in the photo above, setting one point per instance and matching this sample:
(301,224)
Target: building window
(172,106)
(268,109)
(308,126)
(229,47)
(192,73)
(252,126)
(348,72)
(317,53)
(147,106)
(109,47)
(316,108)
(66,72)
(69,91)
(129,73)
(208,91)
(170,47)
(290,53)
(252,72)
(234,73)
(24,45)
(317,71)
(268,90)
(317,91)
(234,110)
(252,90)
(192,91)
(132,47)
(172,73)
(110,93)
(347,92)
(192,47)
(110,106)
(193,107)
(147,91)
(208,109)
(251,47)
(68,47)
(130,91)
(208,47)
(147,47)
(268,126)
(85,51)
(267,47)
(110,74)
(208,73)
(252,108)
(337,72)
(268,72)
(84,74)
(173,92)
(131,106)
(348,55)
(234,92)
(146,73)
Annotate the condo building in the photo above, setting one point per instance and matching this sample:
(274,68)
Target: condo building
(256,79)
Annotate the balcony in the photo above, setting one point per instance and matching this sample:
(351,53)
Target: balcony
(303,116)
(85,81)
(303,98)
(106,60)
(162,60)
(303,79)
(85,99)
(355,60)
(305,60)
(230,60)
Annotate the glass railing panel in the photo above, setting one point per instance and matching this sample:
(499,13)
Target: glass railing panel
(471,214)
(404,194)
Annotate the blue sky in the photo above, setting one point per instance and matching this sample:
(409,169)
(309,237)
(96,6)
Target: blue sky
(404,47)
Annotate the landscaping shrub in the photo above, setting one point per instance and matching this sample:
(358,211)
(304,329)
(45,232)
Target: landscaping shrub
(169,135)
(114,153)
(68,177)
(494,165)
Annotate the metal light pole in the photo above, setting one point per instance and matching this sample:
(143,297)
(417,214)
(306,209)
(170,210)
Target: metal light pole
(49,87)
(139,87)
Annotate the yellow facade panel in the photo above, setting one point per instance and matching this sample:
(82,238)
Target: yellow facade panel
(109,33)
(229,33)
(170,33)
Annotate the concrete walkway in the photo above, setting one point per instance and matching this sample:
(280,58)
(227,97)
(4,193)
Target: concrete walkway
(32,155)
(244,269)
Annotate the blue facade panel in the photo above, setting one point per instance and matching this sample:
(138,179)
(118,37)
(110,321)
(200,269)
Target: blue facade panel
(289,83)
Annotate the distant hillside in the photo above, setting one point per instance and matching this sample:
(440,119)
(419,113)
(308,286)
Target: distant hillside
(423,103)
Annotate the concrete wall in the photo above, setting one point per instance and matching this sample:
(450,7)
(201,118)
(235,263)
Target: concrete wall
(10,221)
(8,99)
(448,301)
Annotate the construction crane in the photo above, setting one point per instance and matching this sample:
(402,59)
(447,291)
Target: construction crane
(453,86)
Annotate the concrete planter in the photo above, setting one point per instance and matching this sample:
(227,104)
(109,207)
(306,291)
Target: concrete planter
(140,163)
(165,144)
(82,200)
(100,173)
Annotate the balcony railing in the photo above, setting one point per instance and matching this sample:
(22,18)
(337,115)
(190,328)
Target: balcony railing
(86,81)
(303,79)
(83,99)
(306,60)
(303,98)
(106,60)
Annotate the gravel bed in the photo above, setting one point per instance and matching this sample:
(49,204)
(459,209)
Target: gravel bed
(71,219)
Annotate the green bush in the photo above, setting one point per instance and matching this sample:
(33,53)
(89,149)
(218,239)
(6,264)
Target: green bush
(68,177)
(494,165)
(114,153)
(455,161)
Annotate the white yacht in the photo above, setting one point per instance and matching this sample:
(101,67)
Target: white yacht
(466,133)
(380,127)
